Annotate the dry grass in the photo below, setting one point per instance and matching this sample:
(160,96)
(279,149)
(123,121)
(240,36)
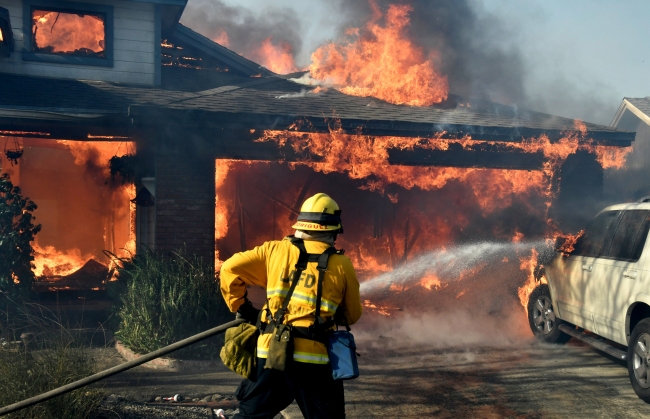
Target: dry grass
(53,358)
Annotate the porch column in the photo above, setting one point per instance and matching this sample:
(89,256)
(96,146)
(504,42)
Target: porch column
(185,199)
(580,194)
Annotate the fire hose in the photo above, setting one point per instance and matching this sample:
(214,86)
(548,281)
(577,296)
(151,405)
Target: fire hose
(119,368)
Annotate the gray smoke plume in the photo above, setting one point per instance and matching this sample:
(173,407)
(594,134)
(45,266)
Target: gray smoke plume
(245,31)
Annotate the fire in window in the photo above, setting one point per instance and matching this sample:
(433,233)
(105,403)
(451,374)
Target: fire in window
(80,34)
(6,35)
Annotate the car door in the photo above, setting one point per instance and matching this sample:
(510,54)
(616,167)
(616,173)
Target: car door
(574,271)
(617,274)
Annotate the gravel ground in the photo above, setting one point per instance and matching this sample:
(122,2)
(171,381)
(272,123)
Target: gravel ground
(523,380)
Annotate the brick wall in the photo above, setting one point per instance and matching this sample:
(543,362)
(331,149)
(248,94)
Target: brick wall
(185,202)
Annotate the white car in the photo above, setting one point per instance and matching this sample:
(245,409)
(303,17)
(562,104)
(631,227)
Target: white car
(602,286)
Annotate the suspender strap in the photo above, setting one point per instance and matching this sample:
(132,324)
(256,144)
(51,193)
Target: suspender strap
(301,265)
(320,324)
(322,268)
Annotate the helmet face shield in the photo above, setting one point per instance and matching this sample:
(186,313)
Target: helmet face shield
(319,213)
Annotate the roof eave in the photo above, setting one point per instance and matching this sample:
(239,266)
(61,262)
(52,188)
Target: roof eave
(207,119)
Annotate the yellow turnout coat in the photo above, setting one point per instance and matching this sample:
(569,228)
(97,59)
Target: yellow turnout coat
(270,266)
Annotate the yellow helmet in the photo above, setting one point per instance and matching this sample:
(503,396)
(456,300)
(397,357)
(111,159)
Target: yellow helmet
(319,213)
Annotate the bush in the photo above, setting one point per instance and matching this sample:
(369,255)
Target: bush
(160,300)
(53,358)
(16,234)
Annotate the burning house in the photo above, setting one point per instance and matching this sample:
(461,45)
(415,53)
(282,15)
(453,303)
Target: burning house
(216,153)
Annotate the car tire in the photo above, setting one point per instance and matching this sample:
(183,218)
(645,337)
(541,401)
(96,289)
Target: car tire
(638,360)
(541,317)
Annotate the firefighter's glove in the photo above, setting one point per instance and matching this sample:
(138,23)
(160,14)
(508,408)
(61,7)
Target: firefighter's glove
(248,312)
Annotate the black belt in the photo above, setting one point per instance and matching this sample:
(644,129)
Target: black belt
(299,332)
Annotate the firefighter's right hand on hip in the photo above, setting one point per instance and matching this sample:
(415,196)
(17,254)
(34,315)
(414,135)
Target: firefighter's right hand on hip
(248,312)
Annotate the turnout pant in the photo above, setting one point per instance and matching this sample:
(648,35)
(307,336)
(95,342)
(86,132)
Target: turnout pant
(311,385)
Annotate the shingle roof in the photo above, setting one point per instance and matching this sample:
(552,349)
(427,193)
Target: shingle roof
(274,102)
(641,103)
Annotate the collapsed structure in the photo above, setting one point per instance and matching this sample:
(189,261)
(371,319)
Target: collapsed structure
(185,101)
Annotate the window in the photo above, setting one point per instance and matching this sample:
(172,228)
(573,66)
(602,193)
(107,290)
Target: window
(598,232)
(628,240)
(71,33)
(68,33)
(6,34)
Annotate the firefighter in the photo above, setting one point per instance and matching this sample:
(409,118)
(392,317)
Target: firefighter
(307,377)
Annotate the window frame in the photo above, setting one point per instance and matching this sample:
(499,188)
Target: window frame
(67,7)
(637,239)
(607,236)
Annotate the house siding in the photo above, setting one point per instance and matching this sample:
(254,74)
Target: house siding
(133,52)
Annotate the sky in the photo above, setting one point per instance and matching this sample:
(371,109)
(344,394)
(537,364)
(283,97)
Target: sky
(579,57)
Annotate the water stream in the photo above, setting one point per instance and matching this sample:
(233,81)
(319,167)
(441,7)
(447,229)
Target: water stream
(448,264)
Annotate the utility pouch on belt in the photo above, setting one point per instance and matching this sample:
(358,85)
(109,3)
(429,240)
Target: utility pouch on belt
(238,352)
(280,348)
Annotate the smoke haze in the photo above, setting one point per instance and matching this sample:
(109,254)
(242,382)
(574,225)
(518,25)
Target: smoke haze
(488,49)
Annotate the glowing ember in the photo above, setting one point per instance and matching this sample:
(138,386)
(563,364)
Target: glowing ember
(381,61)
(68,33)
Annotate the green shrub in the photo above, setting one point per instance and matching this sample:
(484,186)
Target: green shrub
(16,234)
(160,300)
(53,358)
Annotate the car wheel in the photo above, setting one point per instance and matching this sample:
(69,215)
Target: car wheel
(541,317)
(638,359)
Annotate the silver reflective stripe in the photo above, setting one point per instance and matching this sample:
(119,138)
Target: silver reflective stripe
(310,358)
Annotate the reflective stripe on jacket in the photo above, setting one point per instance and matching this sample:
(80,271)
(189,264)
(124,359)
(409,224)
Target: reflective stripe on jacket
(270,266)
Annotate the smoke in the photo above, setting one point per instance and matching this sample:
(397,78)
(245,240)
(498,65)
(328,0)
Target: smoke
(472,301)
(487,54)
(241,30)
(466,42)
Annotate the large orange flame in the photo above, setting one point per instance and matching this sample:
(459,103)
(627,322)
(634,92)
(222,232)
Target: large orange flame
(276,57)
(381,61)
(60,32)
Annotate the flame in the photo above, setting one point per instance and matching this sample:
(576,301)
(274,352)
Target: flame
(431,282)
(50,262)
(363,157)
(222,206)
(570,241)
(381,61)
(276,57)
(222,39)
(117,213)
(68,33)
(528,265)
(1,36)
(383,310)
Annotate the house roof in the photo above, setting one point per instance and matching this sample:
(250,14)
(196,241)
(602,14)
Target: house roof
(204,97)
(631,112)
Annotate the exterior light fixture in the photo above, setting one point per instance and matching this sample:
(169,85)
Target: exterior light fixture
(6,34)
